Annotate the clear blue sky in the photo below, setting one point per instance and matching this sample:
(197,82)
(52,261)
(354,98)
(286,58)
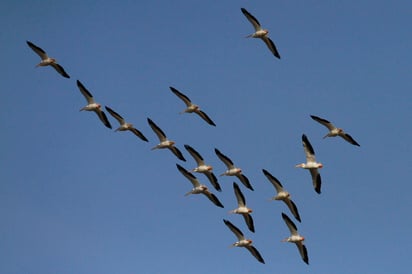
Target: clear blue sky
(76,197)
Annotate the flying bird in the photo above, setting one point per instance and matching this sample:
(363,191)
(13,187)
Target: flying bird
(260,33)
(46,60)
(282,194)
(92,105)
(295,238)
(197,187)
(311,163)
(190,107)
(124,125)
(164,142)
(243,242)
(242,208)
(232,170)
(203,168)
(334,131)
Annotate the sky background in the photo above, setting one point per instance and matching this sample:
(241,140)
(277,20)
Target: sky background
(76,197)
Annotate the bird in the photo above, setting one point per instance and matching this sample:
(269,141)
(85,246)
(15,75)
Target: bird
(124,125)
(203,168)
(311,164)
(334,131)
(190,107)
(164,142)
(260,33)
(198,188)
(243,242)
(232,170)
(46,60)
(282,194)
(242,208)
(92,105)
(295,238)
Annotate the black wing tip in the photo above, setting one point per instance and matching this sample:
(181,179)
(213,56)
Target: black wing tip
(182,169)
(228,223)
(318,184)
(217,202)
(286,218)
(247,182)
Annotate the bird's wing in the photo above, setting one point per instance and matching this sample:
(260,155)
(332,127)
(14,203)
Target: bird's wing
(177,153)
(307,147)
(115,115)
(249,222)
(251,19)
(269,43)
(213,180)
(160,134)
(244,181)
(139,134)
(349,138)
(303,252)
(85,92)
(204,116)
(255,253)
(188,175)
(291,225)
(316,179)
(37,50)
(198,158)
(183,97)
(275,182)
(293,208)
(239,195)
(103,118)
(324,122)
(60,70)
(234,229)
(224,159)
(213,198)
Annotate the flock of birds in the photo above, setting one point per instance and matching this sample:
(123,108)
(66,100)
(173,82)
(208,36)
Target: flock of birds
(164,143)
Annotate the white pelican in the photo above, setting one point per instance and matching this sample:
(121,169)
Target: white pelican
(242,208)
(190,107)
(203,168)
(295,238)
(197,187)
(311,164)
(164,142)
(243,242)
(232,170)
(334,131)
(260,33)
(124,125)
(282,194)
(92,105)
(46,60)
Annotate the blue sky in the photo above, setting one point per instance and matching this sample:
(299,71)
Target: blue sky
(76,197)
